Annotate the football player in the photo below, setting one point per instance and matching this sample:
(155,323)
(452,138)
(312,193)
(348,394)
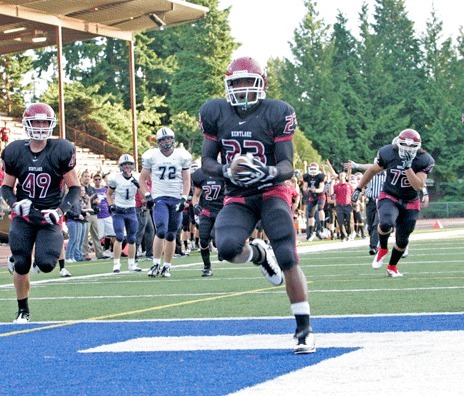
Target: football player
(207,201)
(169,170)
(248,123)
(314,188)
(407,166)
(35,170)
(122,187)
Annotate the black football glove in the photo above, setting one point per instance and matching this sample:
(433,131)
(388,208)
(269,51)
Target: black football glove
(256,173)
(408,158)
(355,195)
(150,201)
(181,205)
(197,209)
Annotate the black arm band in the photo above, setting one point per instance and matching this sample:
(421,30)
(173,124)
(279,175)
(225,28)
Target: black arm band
(8,195)
(70,198)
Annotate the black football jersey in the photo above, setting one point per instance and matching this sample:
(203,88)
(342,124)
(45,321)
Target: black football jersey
(213,190)
(396,182)
(256,132)
(40,175)
(314,181)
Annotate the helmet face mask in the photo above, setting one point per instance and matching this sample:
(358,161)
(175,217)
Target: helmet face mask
(245,83)
(126,163)
(408,142)
(313,169)
(39,113)
(165,138)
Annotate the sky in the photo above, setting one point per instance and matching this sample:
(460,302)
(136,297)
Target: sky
(264,28)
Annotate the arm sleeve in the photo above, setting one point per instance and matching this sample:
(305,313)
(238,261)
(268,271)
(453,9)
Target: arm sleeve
(70,198)
(8,195)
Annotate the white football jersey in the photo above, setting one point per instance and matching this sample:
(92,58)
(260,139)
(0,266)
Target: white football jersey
(124,189)
(166,172)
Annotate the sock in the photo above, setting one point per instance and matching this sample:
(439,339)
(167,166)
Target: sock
(168,265)
(383,239)
(117,261)
(131,262)
(61,263)
(395,256)
(256,256)
(23,304)
(205,255)
(185,244)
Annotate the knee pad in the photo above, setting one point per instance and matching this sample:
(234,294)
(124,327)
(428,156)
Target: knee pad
(170,236)
(131,240)
(21,267)
(160,234)
(204,244)
(120,238)
(386,227)
(46,267)
(229,248)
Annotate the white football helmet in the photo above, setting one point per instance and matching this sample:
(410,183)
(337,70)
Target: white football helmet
(313,169)
(126,163)
(39,112)
(408,141)
(163,133)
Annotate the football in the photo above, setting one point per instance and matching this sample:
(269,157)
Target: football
(236,164)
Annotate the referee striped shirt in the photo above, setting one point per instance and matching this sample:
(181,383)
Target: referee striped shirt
(374,187)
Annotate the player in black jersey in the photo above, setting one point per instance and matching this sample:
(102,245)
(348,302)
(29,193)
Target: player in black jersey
(314,188)
(407,165)
(247,123)
(35,170)
(207,201)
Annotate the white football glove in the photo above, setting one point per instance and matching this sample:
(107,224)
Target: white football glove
(23,207)
(51,216)
(256,173)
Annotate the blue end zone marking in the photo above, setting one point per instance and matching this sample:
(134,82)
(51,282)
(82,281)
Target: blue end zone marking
(48,361)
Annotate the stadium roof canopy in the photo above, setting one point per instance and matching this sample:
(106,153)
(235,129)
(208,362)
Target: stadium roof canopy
(32,24)
(29,24)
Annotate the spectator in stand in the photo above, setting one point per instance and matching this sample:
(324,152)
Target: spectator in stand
(2,176)
(5,132)
(407,165)
(146,230)
(91,225)
(342,191)
(105,222)
(314,184)
(75,222)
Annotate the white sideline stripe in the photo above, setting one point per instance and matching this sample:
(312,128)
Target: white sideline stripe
(227,293)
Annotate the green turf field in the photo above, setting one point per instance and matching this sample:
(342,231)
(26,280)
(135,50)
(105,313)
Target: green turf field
(340,282)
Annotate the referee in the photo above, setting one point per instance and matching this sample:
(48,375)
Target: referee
(371,191)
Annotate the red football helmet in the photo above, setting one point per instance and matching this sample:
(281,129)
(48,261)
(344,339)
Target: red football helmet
(240,94)
(39,112)
(408,141)
(313,169)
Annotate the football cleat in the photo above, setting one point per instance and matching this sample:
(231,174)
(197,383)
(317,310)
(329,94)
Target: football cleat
(35,268)
(405,253)
(207,272)
(116,268)
(64,273)
(372,251)
(269,266)
(134,268)
(166,271)
(393,271)
(11,264)
(154,270)
(379,257)
(306,342)
(312,237)
(22,317)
